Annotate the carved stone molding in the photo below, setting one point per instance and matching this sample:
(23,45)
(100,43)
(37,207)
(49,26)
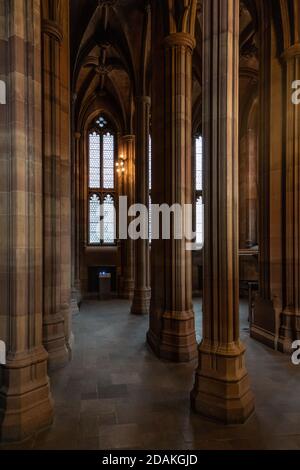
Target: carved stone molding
(108,3)
(183,21)
(52,29)
(291,52)
(180,39)
(249,51)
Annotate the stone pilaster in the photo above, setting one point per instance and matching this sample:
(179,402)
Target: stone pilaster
(25,401)
(76,291)
(290,317)
(129,191)
(221,389)
(55,170)
(263,326)
(172,330)
(248,189)
(142,291)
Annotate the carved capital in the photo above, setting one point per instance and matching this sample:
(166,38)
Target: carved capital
(180,39)
(107,3)
(128,138)
(53,30)
(144,99)
(291,52)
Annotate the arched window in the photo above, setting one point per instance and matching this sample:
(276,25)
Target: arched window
(94,211)
(150,185)
(101,183)
(199,190)
(108,235)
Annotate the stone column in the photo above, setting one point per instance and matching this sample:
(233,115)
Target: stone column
(251,198)
(25,401)
(267,304)
(76,288)
(54,180)
(221,389)
(290,317)
(142,292)
(76,291)
(65,164)
(172,330)
(128,268)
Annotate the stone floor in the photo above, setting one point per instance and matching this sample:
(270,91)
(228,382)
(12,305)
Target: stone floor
(116,394)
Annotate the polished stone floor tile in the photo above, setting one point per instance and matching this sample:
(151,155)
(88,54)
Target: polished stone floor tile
(115,394)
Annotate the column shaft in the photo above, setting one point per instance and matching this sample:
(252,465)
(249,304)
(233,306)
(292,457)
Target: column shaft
(142,292)
(221,388)
(25,401)
(290,318)
(76,291)
(54,180)
(129,191)
(172,328)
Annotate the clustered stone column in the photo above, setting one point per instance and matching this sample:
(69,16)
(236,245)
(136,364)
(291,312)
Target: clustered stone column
(129,190)
(25,401)
(55,184)
(251,200)
(172,330)
(76,289)
(248,189)
(142,292)
(290,318)
(221,389)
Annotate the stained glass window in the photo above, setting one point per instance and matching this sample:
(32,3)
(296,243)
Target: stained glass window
(150,162)
(199,209)
(199,164)
(150,214)
(108,161)
(150,186)
(199,221)
(101,183)
(94,160)
(108,220)
(94,217)
(101,122)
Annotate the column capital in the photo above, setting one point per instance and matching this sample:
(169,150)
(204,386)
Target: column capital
(52,29)
(144,99)
(77,135)
(128,137)
(291,52)
(180,39)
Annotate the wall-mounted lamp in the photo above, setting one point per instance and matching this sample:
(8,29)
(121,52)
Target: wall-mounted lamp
(120,165)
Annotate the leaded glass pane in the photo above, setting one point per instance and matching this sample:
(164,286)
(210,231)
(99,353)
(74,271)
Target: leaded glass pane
(150,163)
(199,221)
(94,218)
(108,161)
(150,219)
(108,223)
(101,122)
(94,160)
(199,164)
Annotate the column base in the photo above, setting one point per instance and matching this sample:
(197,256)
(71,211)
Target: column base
(263,325)
(176,340)
(263,336)
(289,330)
(75,301)
(55,342)
(127,289)
(222,391)
(74,306)
(26,406)
(141,302)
